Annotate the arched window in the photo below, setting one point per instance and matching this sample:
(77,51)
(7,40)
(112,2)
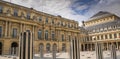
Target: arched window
(46,34)
(15,12)
(54,47)
(48,47)
(53,35)
(28,16)
(40,18)
(39,34)
(14,48)
(14,33)
(64,47)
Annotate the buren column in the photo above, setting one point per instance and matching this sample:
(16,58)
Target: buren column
(75,49)
(99,52)
(26,46)
(113,52)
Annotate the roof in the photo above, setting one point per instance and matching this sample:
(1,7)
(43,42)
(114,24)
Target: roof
(103,25)
(99,15)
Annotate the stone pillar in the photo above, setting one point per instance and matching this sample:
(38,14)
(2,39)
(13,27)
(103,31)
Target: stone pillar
(6,28)
(9,32)
(41,52)
(99,53)
(113,52)
(75,51)
(26,46)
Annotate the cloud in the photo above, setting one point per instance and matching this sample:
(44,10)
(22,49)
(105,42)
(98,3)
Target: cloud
(78,10)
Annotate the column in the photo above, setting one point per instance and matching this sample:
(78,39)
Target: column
(117,45)
(6,28)
(113,52)
(99,52)
(75,51)
(54,48)
(26,46)
(41,52)
(9,34)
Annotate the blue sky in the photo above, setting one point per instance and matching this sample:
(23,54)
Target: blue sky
(78,10)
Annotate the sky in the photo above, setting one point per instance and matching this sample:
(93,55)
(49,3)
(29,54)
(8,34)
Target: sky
(79,10)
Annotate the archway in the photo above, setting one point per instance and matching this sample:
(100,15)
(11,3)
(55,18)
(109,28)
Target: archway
(48,47)
(41,49)
(14,47)
(0,48)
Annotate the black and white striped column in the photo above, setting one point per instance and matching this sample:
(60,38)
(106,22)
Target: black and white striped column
(75,49)
(99,52)
(26,46)
(113,52)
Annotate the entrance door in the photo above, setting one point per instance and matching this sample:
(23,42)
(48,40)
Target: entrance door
(0,48)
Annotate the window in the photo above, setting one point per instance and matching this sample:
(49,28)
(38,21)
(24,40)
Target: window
(61,23)
(52,21)
(14,33)
(101,36)
(69,37)
(46,34)
(115,36)
(15,12)
(46,20)
(40,18)
(62,37)
(110,35)
(106,37)
(1,9)
(28,16)
(39,34)
(0,31)
(53,35)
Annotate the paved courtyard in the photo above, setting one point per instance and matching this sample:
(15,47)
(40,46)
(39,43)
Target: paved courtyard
(83,55)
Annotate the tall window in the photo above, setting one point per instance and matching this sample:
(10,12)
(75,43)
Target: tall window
(14,33)
(28,16)
(53,35)
(69,37)
(62,37)
(46,20)
(0,31)
(1,9)
(115,36)
(46,34)
(39,34)
(101,36)
(53,21)
(106,37)
(110,35)
(40,18)
(15,12)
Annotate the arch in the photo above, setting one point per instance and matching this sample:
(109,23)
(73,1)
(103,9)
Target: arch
(41,49)
(0,48)
(64,47)
(14,47)
(48,46)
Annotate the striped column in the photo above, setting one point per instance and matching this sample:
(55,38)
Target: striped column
(99,52)
(54,48)
(113,52)
(75,49)
(26,46)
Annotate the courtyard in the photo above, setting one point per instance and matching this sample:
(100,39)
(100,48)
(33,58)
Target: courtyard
(83,55)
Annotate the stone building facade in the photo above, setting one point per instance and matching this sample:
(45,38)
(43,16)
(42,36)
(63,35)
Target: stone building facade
(103,27)
(47,29)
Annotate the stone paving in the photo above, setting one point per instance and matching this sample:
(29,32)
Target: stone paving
(83,55)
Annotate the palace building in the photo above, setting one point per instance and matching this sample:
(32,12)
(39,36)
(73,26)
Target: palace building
(47,29)
(103,27)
